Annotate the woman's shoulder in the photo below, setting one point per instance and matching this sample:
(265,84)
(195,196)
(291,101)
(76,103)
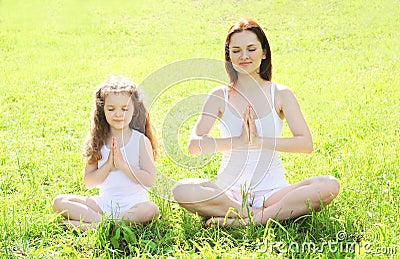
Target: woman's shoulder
(215,101)
(216,96)
(283,94)
(280,88)
(218,90)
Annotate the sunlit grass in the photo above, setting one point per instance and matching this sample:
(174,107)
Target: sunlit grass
(340,58)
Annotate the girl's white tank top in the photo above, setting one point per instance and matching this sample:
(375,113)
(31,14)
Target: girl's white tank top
(118,187)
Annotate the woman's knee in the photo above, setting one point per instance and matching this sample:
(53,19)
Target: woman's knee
(179,190)
(57,203)
(184,189)
(328,186)
(331,185)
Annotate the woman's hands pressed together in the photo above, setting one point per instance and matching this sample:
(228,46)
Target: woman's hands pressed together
(249,130)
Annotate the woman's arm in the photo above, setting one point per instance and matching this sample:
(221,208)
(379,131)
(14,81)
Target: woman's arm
(144,175)
(288,107)
(200,142)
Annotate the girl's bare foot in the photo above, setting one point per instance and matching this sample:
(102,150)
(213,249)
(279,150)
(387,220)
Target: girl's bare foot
(76,224)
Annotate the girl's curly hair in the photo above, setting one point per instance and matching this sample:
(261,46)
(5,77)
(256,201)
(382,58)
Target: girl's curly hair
(100,128)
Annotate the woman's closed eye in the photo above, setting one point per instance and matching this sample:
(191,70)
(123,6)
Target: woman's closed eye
(237,51)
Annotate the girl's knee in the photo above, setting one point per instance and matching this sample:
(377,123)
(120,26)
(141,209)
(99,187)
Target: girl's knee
(141,213)
(154,211)
(148,212)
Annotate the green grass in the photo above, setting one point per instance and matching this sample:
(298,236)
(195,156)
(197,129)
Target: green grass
(340,58)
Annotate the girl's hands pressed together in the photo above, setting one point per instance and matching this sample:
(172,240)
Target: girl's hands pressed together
(118,159)
(110,159)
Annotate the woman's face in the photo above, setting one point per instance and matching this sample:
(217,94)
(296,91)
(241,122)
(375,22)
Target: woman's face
(246,52)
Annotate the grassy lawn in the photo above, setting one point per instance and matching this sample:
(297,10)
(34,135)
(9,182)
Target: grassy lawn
(340,58)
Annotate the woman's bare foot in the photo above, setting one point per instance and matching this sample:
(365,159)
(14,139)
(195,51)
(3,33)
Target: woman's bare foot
(225,221)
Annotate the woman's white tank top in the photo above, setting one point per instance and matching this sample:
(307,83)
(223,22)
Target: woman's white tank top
(250,167)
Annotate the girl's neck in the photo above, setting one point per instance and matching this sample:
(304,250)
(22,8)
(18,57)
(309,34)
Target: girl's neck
(122,135)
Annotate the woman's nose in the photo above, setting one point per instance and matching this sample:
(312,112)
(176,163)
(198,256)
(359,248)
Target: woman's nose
(244,54)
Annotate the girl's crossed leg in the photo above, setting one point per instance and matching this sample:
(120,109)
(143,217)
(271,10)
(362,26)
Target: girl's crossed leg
(80,211)
(83,212)
(142,212)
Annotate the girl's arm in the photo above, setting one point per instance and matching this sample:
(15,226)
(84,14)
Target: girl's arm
(200,142)
(301,142)
(147,172)
(94,175)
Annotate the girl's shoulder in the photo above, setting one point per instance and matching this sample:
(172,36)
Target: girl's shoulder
(137,135)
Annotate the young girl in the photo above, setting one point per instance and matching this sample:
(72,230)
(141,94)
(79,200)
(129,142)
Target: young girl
(120,153)
(251,110)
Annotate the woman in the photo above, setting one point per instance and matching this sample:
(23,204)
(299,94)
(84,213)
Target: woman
(251,110)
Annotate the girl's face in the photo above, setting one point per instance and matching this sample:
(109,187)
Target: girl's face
(246,52)
(118,108)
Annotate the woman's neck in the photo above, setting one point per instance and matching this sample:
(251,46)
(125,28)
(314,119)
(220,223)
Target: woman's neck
(247,83)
